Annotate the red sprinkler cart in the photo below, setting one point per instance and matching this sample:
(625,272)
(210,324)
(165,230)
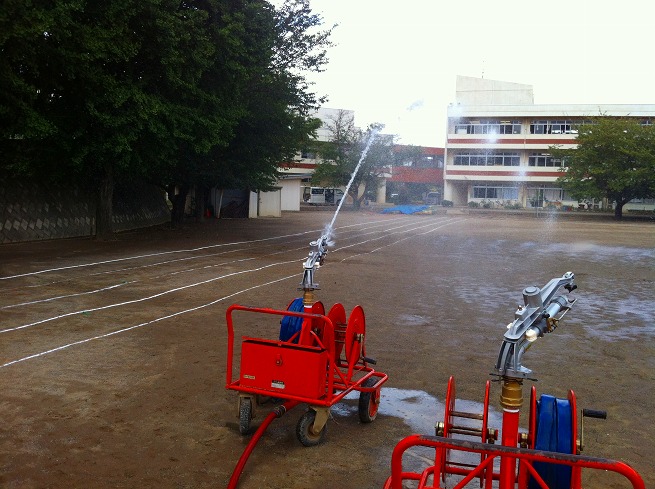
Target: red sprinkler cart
(318,365)
(318,359)
(547,456)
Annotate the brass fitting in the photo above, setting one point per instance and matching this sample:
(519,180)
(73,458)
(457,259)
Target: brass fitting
(523,440)
(511,396)
(308,297)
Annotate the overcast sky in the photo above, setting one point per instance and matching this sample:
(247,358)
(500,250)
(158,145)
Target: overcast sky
(396,62)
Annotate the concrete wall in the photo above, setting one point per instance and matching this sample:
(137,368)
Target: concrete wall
(31,212)
(481,91)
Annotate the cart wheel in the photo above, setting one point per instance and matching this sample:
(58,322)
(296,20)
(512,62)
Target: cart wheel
(304,430)
(369,402)
(245,415)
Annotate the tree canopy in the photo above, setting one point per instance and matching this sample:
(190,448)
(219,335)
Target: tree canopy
(614,159)
(185,94)
(343,151)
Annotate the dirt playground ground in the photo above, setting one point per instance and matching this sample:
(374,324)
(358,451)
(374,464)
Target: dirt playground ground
(113,354)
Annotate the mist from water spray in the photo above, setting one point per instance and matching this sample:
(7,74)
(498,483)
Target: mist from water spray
(329,230)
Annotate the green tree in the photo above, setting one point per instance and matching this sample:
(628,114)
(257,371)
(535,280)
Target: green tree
(275,49)
(90,100)
(614,159)
(184,94)
(343,151)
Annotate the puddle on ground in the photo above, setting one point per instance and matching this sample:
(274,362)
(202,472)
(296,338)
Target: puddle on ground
(631,317)
(418,409)
(413,320)
(607,308)
(595,252)
(421,411)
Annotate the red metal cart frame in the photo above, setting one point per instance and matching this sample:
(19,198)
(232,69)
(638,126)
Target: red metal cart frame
(431,476)
(307,368)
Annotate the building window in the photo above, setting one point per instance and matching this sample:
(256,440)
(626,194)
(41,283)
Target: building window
(542,195)
(492,126)
(495,158)
(307,155)
(544,159)
(553,127)
(495,191)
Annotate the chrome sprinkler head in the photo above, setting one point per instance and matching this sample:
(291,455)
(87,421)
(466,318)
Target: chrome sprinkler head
(539,314)
(317,252)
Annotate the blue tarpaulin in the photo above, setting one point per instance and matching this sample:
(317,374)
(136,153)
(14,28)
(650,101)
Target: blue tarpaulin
(405,209)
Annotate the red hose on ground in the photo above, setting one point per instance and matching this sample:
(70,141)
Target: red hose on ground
(276,413)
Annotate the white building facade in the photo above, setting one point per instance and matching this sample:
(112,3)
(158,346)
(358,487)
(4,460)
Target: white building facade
(498,141)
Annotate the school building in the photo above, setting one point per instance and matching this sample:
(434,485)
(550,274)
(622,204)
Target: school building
(496,151)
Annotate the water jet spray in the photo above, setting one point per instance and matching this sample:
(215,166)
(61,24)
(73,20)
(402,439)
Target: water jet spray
(318,249)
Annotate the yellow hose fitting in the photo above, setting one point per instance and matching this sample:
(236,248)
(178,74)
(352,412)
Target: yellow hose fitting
(308,297)
(511,396)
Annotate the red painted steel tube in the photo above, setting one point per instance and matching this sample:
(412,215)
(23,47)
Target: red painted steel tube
(276,413)
(510,436)
(524,455)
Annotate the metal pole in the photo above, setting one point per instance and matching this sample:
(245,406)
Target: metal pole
(511,398)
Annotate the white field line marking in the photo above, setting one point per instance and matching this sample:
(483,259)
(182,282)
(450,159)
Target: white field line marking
(147,255)
(201,257)
(129,328)
(186,270)
(407,237)
(69,295)
(420,234)
(190,250)
(6,330)
(166,262)
(177,289)
(304,247)
(384,236)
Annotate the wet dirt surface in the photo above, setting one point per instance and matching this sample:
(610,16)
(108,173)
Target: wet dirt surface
(113,354)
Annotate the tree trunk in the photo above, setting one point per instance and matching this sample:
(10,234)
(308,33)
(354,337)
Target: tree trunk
(179,203)
(202,194)
(356,201)
(104,207)
(618,210)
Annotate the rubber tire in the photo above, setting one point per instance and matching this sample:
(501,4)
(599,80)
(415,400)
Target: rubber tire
(245,415)
(368,408)
(303,430)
